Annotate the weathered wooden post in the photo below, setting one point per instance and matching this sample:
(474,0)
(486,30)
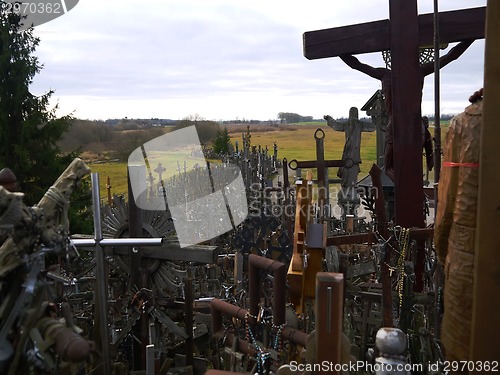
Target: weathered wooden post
(486,330)
(108,189)
(329,317)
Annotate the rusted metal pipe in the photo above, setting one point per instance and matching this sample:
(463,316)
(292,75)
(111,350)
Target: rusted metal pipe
(278,269)
(290,334)
(243,346)
(219,307)
(294,336)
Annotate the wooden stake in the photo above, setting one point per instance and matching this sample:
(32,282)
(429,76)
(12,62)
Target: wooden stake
(486,300)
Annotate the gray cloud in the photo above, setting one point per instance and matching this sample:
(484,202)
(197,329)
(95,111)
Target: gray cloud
(216,58)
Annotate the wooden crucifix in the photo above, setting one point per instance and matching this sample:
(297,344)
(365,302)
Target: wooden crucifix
(402,35)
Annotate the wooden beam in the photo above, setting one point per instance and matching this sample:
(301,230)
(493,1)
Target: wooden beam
(374,36)
(349,239)
(454,26)
(407,84)
(369,237)
(168,251)
(173,251)
(353,39)
(485,328)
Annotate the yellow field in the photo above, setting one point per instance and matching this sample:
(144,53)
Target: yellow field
(297,143)
(293,143)
(117,173)
(300,144)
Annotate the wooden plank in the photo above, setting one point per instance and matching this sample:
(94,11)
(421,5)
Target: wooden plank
(421,233)
(374,36)
(353,39)
(369,237)
(407,85)
(351,239)
(314,164)
(172,251)
(454,26)
(486,300)
(407,82)
(169,250)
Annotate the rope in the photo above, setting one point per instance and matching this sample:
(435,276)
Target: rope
(60,200)
(453,164)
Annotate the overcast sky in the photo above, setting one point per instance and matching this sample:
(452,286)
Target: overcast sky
(220,59)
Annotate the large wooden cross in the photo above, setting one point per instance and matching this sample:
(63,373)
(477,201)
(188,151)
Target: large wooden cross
(403,34)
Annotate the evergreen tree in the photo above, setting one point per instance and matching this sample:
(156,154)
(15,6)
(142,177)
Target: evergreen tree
(222,142)
(29,130)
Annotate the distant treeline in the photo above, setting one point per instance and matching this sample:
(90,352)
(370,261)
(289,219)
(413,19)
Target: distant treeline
(153,122)
(110,139)
(443,117)
(293,118)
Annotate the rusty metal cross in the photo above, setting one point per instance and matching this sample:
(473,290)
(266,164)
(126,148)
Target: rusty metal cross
(321,166)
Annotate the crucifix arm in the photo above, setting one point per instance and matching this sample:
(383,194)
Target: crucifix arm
(335,125)
(452,55)
(354,63)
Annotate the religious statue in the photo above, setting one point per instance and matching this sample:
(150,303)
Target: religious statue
(427,144)
(385,76)
(353,127)
(31,232)
(455,226)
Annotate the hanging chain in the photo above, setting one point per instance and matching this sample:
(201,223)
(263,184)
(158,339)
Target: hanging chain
(403,244)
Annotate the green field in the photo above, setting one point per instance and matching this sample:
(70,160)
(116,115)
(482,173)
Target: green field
(297,143)
(293,143)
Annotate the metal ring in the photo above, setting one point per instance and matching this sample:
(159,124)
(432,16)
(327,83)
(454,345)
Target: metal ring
(293,162)
(316,136)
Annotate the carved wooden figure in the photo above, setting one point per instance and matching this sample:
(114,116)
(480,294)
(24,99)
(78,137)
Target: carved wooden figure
(353,128)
